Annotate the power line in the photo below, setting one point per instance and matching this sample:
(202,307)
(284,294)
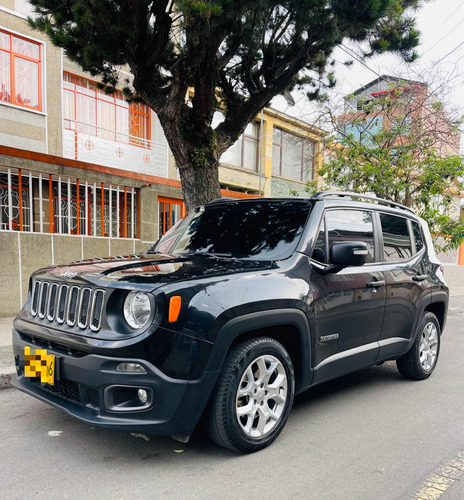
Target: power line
(351,53)
(443,22)
(449,53)
(444,36)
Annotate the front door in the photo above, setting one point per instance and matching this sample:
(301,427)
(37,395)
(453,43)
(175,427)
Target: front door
(349,305)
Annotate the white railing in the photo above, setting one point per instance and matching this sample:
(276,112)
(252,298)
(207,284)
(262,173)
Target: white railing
(109,148)
(46,203)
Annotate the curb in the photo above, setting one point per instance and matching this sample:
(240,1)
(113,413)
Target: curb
(6,374)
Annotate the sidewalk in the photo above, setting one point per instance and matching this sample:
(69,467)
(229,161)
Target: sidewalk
(7,369)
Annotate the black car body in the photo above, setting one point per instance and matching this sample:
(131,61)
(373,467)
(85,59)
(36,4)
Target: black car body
(310,288)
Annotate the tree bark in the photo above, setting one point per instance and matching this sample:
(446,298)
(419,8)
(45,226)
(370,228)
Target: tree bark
(200,185)
(196,155)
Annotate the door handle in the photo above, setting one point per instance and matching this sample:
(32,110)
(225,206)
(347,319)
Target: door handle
(419,277)
(375,284)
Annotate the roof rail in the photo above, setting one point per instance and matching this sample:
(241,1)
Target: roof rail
(341,194)
(224,199)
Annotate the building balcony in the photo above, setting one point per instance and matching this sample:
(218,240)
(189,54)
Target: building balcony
(114,149)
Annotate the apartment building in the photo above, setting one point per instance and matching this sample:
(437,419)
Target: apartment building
(411,105)
(85,174)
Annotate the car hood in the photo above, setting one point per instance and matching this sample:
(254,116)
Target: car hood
(153,270)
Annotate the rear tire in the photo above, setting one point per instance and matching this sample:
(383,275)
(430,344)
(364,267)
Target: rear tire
(253,397)
(420,361)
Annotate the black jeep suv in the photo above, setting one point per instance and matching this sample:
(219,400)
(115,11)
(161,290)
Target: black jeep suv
(238,307)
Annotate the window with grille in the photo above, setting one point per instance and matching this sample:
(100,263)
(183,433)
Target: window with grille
(15,202)
(75,207)
(89,110)
(20,71)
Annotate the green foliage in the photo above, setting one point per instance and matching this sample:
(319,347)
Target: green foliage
(246,51)
(400,163)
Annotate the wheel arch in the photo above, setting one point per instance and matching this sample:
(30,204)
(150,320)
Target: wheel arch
(438,306)
(287,326)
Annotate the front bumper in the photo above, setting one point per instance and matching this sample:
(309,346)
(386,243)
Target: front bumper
(83,382)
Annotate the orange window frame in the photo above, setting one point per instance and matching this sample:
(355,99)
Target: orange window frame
(133,110)
(166,204)
(14,55)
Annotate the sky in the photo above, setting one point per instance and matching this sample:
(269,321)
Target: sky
(441,62)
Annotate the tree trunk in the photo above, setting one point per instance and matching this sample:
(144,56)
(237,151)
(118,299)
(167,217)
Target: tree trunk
(197,159)
(192,143)
(200,183)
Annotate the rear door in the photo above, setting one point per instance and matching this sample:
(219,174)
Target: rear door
(406,278)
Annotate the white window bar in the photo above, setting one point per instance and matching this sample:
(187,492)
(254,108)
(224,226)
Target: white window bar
(31,204)
(59,204)
(10,201)
(94,209)
(86,229)
(117,212)
(40,204)
(102,210)
(69,205)
(110,205)
(132,212)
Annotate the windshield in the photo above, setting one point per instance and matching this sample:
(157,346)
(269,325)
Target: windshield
(263,230)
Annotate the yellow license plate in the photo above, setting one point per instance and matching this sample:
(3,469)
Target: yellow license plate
(39,366)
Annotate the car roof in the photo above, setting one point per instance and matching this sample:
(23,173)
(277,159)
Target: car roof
(336,197)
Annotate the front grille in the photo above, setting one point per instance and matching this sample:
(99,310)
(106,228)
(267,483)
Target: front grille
(93,397)
(62,299)
(35,297)
(52,301)
(71,391)
(84,307)
(73,305)
(65,389)
(97,307)
(43,299)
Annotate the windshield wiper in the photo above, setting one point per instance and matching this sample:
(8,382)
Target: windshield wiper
(213,254)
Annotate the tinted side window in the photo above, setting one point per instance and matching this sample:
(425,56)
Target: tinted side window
(319,251)
(396,239)
(351,225)
(418,237)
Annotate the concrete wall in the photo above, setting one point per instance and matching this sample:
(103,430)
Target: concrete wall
(454,275)
(283,188)
(24,253)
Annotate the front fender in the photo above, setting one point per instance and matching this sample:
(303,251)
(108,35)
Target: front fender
(242,325)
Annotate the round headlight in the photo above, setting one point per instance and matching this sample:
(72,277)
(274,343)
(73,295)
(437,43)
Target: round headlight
(137,309)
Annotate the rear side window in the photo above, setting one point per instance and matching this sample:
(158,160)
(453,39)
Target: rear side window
(351,225)
(418,237)
(396,238)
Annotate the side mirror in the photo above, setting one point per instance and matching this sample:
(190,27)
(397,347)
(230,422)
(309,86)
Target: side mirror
(349,253)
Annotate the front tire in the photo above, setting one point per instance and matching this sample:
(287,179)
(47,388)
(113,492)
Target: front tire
(420,361)
(253,397)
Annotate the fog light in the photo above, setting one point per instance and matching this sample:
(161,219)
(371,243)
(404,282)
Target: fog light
(143,396)
(131,368)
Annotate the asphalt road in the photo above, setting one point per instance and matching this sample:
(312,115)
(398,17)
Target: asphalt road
(370,435)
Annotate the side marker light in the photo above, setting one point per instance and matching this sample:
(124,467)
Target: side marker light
(175,304)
